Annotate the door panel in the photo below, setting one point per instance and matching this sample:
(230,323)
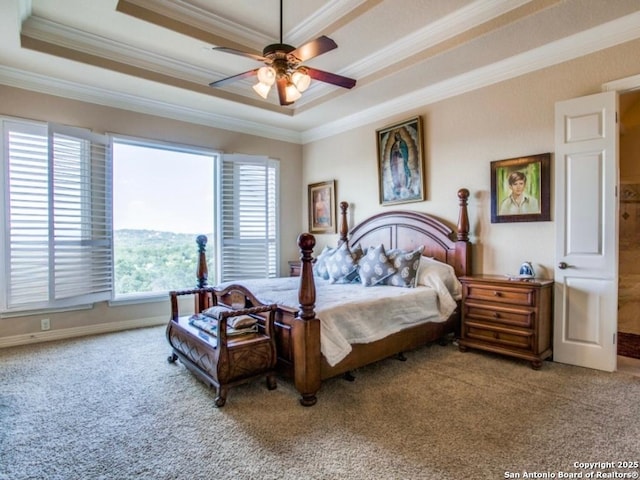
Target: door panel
(586,274)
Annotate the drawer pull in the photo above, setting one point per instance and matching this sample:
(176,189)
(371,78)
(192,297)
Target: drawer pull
(497,294)
(496,315)
(496,335)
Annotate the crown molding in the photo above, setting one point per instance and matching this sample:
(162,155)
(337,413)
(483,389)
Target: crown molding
(203,19)
(598,38)
(449,26)
(56,33)
(311,27)
(62,88)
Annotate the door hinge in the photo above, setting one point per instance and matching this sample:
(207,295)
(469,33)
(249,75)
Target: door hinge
(614,338)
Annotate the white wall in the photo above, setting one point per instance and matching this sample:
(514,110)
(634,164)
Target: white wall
(462,135)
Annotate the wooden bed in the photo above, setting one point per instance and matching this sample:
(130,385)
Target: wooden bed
(297,330)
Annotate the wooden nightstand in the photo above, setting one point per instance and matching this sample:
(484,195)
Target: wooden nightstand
(511,317)
(295,267)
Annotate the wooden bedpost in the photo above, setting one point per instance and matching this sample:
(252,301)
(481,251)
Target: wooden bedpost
(463,217)
(463,248)
(306,328)
(202,300)
(307,289)
(202,273)
(344,224)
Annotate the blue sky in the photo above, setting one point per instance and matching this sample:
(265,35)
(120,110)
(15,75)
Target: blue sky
(156,189)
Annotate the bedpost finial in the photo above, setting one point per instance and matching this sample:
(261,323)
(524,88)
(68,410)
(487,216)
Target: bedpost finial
(201,240)
(463,195)
(306,241)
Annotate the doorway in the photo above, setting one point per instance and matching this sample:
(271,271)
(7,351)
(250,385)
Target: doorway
(629,227)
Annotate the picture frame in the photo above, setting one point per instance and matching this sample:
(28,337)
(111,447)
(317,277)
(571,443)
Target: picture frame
(322,207)
(520,189)
(401,162)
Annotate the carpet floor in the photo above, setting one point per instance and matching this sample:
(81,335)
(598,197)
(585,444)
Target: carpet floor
(111,407)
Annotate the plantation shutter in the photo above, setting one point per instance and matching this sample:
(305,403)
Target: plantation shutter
(57,217)
(247,218)
(26,215)
(80,223)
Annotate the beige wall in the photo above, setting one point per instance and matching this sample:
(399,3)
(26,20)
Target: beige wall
(462,135)
(24,104)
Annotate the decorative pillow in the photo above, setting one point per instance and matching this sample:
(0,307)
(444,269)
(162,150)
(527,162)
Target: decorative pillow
(320,268)
(375,267)
(240,321)
(357,253)
(406,264)
(430,267)
(342,266)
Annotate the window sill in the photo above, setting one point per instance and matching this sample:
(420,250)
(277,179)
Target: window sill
(138,298)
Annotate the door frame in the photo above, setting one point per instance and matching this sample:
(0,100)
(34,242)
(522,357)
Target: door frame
(622,86)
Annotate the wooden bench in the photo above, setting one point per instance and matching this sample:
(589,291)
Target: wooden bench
(223,360)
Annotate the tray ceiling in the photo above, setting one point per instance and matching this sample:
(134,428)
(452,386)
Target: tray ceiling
(157,57)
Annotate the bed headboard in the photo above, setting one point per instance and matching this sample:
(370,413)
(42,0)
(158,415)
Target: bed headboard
(408,230)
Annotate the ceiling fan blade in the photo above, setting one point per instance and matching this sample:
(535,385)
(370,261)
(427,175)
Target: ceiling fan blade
(228,80)
(282,94)
(314,48)
(255,56)
(332,78)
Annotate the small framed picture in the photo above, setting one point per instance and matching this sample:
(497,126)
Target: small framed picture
(520,189)
(322,207)
(401,163)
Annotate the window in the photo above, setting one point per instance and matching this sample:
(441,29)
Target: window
(86,220)
(166,195)
(55,210)
(163,197)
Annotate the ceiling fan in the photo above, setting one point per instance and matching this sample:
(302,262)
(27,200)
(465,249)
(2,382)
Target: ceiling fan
(283,66)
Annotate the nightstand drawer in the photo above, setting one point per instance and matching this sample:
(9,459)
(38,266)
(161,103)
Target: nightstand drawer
(501,294)
(498,336)
(478,311)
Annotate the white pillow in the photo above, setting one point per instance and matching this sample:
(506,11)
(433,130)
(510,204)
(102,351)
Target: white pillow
(430,267)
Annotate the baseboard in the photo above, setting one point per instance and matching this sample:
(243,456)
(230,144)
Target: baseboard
(65,333)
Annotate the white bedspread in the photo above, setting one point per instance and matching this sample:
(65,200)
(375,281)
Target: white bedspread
(353,313)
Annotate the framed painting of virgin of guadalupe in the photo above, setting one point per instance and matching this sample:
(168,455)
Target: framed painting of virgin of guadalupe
(400,162)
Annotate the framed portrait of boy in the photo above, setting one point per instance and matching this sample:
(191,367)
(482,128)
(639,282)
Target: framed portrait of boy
(322,207)
(520,189)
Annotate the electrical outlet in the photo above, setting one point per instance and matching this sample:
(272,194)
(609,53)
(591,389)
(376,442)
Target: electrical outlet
(45,324)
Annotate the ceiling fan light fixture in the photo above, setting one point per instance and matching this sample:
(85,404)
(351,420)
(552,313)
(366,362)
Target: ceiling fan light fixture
(301,79)
(262,89)
(292,93)
(267,75)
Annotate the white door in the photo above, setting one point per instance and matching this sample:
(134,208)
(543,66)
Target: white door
(586,217)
